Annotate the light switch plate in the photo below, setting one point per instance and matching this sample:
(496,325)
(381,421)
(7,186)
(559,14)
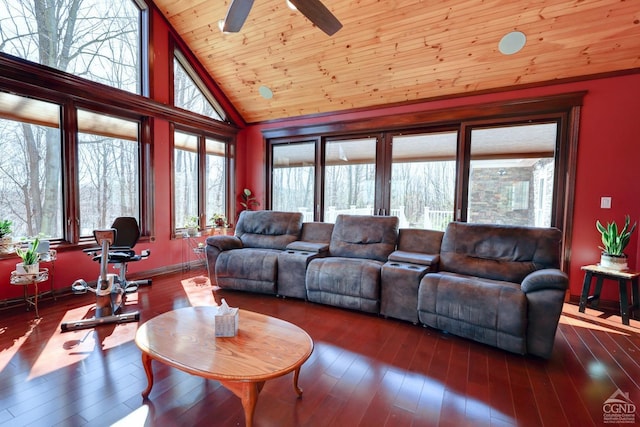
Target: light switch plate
(605,202)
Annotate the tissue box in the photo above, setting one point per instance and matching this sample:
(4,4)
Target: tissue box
(227,324)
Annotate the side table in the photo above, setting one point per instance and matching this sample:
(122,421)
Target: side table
(622,277)
(26,279)
(194,247)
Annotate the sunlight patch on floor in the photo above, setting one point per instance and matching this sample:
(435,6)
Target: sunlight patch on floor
(8,353)
(139,417)
(199,291)
(68,348)
(592,319)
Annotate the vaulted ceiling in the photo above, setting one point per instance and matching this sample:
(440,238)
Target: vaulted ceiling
(395,51)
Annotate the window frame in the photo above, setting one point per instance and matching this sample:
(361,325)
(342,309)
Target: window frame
(28,79)
(565,108)
(202,135)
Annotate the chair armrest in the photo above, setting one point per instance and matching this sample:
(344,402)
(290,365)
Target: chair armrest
(548,278)
(224,243)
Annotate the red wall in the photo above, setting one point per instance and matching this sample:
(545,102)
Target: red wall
(608,159)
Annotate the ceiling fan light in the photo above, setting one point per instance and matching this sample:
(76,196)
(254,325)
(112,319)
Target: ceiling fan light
(512,42)
(291,5)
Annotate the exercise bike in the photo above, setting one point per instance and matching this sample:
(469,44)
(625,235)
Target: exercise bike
(110,289)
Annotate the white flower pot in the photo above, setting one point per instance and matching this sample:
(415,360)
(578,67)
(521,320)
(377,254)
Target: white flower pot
(21,268)
(611,262)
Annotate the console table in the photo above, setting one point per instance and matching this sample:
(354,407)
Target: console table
(622,277)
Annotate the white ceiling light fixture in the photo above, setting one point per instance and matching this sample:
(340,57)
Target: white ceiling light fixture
(512,42)
(291,5)
(265,92)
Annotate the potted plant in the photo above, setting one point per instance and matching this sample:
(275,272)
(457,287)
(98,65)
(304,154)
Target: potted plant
(247,200)
(614,241)
(30,258)
(219,220)
(192,226)
(5,236)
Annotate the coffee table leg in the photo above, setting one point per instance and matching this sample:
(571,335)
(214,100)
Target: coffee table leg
(248,394)
(296,374)
(146,363)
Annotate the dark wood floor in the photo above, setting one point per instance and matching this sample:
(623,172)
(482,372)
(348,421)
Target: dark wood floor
(364,371)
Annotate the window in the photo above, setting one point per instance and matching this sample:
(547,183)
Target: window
(185,172)
(216,178)
(507,164)
(294,178)
(199,179)
(101,40)
(31,166)
(495,163)
(190,93)
(108,170)
(349,177)
(423,178)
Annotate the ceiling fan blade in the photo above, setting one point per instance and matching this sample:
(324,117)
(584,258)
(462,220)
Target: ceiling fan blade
(236,15)
(317,13)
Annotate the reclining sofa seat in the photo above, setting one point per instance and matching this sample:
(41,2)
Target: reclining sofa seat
(499,285)
(349,276)
(248,261)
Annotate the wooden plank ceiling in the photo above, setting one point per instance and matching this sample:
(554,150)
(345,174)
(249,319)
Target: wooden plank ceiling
(393,51)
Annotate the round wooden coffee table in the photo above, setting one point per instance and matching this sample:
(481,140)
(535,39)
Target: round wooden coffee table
(264,348)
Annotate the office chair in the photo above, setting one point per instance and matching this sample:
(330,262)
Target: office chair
(116,247)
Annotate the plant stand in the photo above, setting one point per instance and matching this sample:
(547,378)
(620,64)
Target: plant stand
(25,280)
(623,278)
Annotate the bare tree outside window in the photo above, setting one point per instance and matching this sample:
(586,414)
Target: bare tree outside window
(191,95)
(99,40)
(293,178)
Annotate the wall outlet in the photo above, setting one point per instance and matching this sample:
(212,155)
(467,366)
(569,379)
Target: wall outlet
(605,202)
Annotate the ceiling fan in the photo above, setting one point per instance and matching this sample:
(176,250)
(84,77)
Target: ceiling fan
(314,10)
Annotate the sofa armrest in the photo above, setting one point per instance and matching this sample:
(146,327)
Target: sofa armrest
(315,247)
(415,258)
(216,245)
(224,243)
(545,291)
(548,278)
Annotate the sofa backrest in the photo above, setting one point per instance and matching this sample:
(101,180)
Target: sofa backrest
(268,229)
(364,236)
(420,240)
(317,232)
(499,252)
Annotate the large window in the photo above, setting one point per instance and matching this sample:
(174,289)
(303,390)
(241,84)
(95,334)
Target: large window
(190,93)
(423,178)
(99,40)
(294,178)
(108,169)
(199,179)
(483,165)
(31,166)
(511,174)
(77,154)
(349,177)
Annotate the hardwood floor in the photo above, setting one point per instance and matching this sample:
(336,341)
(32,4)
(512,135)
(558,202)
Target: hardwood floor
(364,370)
